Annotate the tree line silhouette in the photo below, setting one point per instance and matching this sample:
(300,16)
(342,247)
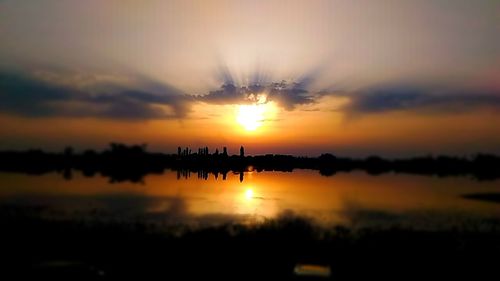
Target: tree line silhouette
(122,162)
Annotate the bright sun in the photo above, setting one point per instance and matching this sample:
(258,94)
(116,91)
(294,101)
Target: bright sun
(251,116)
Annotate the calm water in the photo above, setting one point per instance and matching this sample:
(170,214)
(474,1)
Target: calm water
(355,199)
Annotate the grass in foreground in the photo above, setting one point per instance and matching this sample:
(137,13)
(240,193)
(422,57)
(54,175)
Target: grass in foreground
(71,250)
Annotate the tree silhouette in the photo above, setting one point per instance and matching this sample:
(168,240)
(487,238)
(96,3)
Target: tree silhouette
(131,162)
(68,151)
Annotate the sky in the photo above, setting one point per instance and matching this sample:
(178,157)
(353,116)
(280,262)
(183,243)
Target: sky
(353,78)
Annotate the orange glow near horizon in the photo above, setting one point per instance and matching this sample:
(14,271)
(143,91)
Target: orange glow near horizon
(307,130)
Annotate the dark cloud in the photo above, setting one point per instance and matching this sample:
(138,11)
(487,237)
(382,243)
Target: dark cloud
(407,98)
(228,93)
(290,96)
(260,82)
(28,97)
(287,95)
(25,95)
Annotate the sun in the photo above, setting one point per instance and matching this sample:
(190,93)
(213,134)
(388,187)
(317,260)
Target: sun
(251,116)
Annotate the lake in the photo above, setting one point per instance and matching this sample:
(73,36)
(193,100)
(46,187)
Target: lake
(355,199)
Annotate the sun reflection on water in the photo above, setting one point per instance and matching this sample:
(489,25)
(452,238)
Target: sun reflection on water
(248,193)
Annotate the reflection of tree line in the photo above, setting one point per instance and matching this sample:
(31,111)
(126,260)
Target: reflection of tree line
(131,163)
(204,174)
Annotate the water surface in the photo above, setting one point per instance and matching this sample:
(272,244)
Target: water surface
(355,199)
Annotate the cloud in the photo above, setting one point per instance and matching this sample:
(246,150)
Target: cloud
(138,98)
(31,96)
(286,95)
(424,99)
(62,94)
(259,83)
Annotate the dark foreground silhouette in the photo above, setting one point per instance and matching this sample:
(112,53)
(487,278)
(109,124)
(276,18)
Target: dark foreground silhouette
(38,248)
(131,163)
(487,197)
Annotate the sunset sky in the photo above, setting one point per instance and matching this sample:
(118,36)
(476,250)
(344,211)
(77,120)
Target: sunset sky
(354,78)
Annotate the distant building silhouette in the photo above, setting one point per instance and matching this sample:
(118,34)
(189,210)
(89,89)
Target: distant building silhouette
(242,151)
